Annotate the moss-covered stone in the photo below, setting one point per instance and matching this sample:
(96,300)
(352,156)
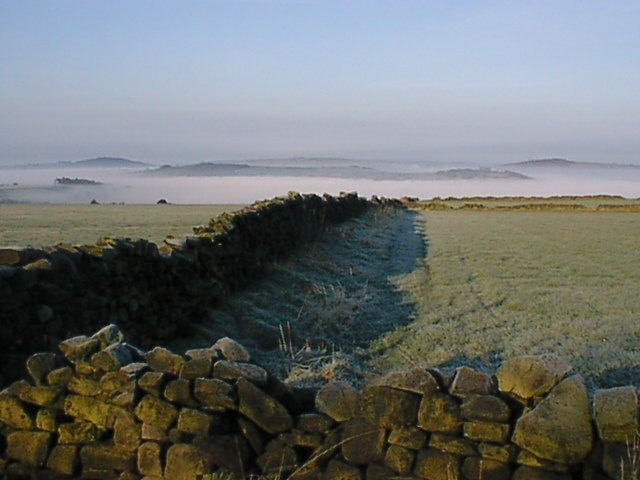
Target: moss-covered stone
(362,442)
(13,412)
(39,365)
(88,409)
(79,348)
(474,468)
(30,448)
(616,414)
(127,433)
(196,368)
(528,377)
(487,432)
(64,459)
(156,412)
(149,461)
(453,444)
(178,391)
(388,407)
(162,360)
(399,459)
(231,350)
(337,470)
(42,396)
(261,409)
(467,381)
(338,400)
(77,433)
(228,370)
(59,376)
(486,408)
(314,422)
(194,422)
(439,412)
(409,437)
(47,419)
(214,394)
(436,465)
(559,428)
(278,458)
(153,382)
(107,459)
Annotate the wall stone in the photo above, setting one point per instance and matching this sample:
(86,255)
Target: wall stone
(152,418)
(559,427)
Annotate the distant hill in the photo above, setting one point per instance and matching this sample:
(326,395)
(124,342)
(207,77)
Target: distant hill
(98,162)
(75,181)
(106,162)
(478,173)
(205,169)
(562,162)
(324,169)
(543,162)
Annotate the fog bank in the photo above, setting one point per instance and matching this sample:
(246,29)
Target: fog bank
(128,186)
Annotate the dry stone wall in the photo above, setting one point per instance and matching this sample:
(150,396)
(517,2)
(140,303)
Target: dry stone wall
(100,408)
(153,292)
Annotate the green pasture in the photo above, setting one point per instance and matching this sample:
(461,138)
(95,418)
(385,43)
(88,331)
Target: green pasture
(499,284)
(39,225)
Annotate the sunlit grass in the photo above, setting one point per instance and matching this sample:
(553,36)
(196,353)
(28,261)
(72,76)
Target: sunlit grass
(496,285)
(44,224)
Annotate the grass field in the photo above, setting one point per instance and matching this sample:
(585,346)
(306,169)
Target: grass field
(495,285)
(44,224)
(429,288)
(559,203)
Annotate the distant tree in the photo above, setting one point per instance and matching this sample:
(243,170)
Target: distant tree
(75,181)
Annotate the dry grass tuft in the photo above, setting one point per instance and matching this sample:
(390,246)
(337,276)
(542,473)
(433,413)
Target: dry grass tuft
(312,365)
(630,466)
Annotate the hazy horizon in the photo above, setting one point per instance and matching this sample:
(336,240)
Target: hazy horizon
(386,163)
(486,82)
(37,185)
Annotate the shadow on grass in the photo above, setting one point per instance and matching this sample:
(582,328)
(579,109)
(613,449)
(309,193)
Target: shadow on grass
(488,363)
(333,295)
(618,377)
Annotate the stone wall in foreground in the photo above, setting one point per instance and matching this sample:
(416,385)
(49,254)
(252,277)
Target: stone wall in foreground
(154,292)
(103,409)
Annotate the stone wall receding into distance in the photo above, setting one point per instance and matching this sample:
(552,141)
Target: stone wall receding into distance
(153,292)
(101,408)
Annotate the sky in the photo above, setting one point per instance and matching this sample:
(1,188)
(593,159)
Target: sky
(191,81)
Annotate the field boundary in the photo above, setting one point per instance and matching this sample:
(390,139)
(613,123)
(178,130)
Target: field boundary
(153,292)
(562,203)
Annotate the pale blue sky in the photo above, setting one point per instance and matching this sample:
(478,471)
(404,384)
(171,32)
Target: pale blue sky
(188,81)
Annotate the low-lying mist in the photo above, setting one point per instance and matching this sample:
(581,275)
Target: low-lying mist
(130,186)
